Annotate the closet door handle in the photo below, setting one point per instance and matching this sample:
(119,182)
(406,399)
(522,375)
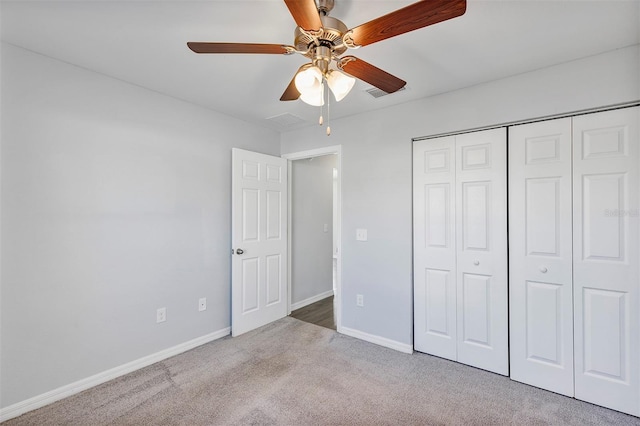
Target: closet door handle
(543,269)
(476,262)
(239,251)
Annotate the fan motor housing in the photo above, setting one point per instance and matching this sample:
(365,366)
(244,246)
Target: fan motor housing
(330,35)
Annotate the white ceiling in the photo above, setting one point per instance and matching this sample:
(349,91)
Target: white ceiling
(144,42)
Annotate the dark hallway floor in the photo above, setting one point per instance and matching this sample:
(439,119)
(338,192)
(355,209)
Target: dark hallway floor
(318,313)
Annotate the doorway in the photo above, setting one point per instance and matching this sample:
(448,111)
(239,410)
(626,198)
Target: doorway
(314,237)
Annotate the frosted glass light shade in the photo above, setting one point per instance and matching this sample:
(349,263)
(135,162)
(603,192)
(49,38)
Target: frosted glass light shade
(309,80)
(309,84)
(313,97)
(340,84)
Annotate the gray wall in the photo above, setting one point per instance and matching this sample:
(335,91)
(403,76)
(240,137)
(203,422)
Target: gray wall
(376,170)
(312,208)
(115,202)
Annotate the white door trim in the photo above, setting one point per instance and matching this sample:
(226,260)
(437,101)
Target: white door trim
(336,149)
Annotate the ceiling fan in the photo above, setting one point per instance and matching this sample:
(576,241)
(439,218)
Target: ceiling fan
(323,39)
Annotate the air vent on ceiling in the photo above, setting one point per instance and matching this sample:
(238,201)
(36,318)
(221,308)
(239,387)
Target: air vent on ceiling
(286,120)
(377,93)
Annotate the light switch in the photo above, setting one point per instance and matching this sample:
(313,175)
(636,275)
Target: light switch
(326,227)
(361,235)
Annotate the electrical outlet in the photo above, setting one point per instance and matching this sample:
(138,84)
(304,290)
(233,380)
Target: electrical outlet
(202,304)
(359,300)
(361,235)
(161,315)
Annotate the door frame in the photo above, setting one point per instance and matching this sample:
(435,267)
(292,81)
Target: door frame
(301,155)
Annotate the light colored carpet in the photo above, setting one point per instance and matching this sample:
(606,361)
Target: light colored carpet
(294,373)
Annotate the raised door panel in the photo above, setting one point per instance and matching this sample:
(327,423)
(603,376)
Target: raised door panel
(476,310)
(603,233)
(274,219)
(540,255)
(439,320)
(250,217)
(434,247)
(606,258)
(250,284)
(544,317)
(542,216)
(481,255)
(437,215)
(606,344)
(274,276)
(476,226)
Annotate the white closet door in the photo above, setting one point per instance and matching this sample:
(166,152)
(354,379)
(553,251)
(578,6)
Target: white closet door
(434,247)
(540,255)
(481,241)
(606,259)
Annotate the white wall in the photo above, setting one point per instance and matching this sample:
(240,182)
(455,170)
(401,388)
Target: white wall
(376,169)
(311,245)
(115,201)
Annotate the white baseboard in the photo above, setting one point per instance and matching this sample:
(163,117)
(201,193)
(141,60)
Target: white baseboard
(382,341)
(311,300)
(47,398)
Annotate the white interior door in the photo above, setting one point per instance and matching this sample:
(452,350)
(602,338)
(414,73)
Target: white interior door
(259,238)
(434,247)
(540,255)
(481,234)
(606,258)
(460,249)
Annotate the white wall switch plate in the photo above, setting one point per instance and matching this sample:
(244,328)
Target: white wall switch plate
(359,300)
(325,228)
(361,235)
(161,315)
(202,304)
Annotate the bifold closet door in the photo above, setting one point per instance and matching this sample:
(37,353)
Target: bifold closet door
(540,255)
(460,249)
(606,256)
(481,262)
(434,252)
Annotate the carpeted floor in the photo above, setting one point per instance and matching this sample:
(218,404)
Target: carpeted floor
(294,373)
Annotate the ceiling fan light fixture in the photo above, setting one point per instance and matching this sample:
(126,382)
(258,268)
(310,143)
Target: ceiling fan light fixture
(313,97)
(309,81)
(340,84)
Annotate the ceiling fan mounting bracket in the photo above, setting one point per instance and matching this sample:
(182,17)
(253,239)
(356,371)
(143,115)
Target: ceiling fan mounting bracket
(325,6)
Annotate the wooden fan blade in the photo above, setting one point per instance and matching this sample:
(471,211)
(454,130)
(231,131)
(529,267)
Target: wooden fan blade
(305,13)
(371,74)
(412,17)
(291,92)
(205,47)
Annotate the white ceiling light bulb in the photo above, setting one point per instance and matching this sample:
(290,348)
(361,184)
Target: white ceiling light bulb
(340,84)
(309,84)
(313,97)
(309,80)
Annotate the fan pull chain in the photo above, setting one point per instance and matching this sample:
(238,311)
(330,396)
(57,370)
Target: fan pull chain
(321,120)
(328,113)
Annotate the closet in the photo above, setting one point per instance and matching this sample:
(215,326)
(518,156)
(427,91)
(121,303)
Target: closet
(573,321)
(574,260)
(460,248)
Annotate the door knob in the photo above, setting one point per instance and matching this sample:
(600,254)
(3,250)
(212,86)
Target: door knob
(476,262)
(239,251)
(543,269)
